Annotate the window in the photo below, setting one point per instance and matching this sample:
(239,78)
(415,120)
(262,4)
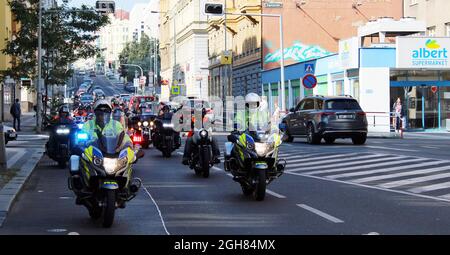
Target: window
(431,31)
(319,104)
(307,104)
(342,104)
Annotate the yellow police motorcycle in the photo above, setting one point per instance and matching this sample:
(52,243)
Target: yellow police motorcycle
(102,177)
(252,159)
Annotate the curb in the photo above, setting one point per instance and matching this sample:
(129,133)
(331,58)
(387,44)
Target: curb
(11,190)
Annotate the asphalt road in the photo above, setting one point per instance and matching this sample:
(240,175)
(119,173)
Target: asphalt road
(325,190)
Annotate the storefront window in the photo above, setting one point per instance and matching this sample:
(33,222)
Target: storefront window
(295,84)
(355,86)
(339,88)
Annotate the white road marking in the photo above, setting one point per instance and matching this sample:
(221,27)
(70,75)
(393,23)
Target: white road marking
(433,187)
(322,157)
(16,158)
(430,147)
(57,230)
(409,173)
(360,173)
(274,194)
(332,163)
(447,199)
(217,169)
(387,148)
(73,234)
(159,211)
(320,213)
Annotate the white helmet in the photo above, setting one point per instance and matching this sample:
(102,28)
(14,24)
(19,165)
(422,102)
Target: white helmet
(252,99)
(102,103)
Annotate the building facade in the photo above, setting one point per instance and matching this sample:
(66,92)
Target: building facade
(114,37)
(184,48)
(433,12)
(143,21)
(319,25)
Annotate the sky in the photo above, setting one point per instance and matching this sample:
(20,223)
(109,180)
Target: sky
(120,4)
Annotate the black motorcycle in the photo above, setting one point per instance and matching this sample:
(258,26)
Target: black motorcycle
(102,177)
(201,159)
(59,146)
(165,138)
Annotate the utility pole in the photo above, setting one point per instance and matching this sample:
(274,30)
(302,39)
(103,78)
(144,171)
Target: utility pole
(39,83)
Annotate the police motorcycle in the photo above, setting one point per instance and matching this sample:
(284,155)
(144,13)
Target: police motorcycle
(101,177)
(252,159)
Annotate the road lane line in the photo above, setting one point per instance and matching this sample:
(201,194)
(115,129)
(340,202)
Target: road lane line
(327,163)
(359,173)
(403,174)
(447,199)
(387,148)
(320,213)
(366,166)
(428,188)
(274,194)
(159,211)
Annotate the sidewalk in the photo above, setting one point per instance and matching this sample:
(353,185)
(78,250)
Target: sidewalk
(22,157)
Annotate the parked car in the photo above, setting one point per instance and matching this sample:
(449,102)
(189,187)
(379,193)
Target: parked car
(328,118)
(10,134)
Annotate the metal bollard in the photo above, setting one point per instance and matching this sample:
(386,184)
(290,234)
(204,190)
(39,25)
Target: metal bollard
(3,162)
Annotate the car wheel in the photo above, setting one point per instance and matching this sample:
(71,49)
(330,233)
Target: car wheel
(360,139)
(311,136)
(330,140)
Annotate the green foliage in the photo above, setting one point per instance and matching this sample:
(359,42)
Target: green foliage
(139,53)
(68,34)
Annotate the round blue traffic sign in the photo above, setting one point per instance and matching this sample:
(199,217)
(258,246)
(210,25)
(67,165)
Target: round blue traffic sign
(309,81)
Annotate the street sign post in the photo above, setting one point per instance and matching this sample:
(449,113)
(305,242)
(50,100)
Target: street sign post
(175,90)
(309,68)
(434,89)
(309,81)
(136,82)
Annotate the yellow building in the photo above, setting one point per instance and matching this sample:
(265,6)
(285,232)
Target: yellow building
(5,32)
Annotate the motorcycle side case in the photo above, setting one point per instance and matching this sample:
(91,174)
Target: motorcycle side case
(74,164)
(228,149)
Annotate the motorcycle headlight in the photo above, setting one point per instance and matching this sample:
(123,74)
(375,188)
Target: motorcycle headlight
(80,126)
(203,134)
(168,125)
(62,131)
(152,123)
(145,123)
(262,149)
(139,123)
(110,165)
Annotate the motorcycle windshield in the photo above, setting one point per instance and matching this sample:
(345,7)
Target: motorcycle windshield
(110,144)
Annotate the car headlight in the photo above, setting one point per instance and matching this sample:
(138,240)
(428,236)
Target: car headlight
(145,123)
(203,134)
(63,131)
(110,165)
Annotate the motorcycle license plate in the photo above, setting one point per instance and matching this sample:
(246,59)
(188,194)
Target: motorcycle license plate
(261,165)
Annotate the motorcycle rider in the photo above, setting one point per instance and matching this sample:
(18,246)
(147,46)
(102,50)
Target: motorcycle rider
(255,117)
(63,116)
(103,123)
(165,114)
(189,146)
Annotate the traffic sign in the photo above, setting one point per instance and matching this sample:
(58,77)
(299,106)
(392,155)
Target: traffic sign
(175,90)
(309,68)
(434,89)
(136,82)
(309,81)
(226,58)
(142,80)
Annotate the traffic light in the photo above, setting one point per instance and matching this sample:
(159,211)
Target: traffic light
(105,7)
(214,9)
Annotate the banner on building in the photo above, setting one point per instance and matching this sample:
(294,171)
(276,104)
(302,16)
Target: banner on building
(349,53)
(423,52)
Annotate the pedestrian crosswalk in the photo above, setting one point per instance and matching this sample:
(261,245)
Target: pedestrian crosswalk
(416,175)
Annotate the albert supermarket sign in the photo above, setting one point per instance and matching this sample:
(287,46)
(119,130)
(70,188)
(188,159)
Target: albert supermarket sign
(423,52)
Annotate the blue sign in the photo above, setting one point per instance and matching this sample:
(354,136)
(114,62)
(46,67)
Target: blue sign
(309,81)
(309,68)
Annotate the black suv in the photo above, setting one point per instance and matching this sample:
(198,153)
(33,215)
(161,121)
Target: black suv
(318,117)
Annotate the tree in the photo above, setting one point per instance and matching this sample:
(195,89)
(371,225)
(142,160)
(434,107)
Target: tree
(68,34)
(140,53)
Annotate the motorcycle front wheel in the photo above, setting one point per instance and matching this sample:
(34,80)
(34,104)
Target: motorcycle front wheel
(109,208)
(260,191)
(205,163)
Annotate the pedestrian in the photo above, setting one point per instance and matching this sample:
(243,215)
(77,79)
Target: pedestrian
(15,113)
(398,112)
